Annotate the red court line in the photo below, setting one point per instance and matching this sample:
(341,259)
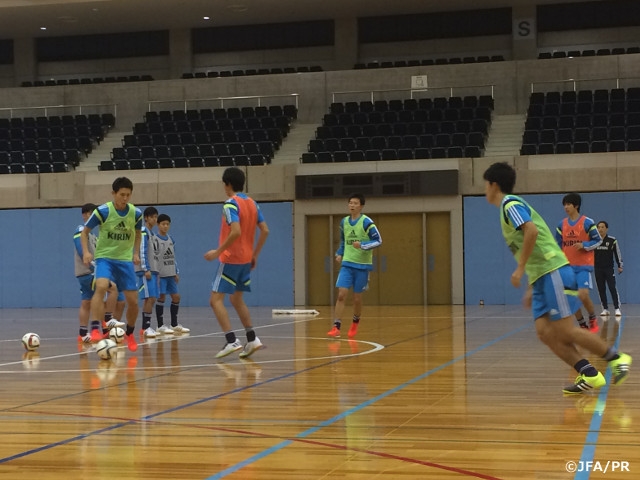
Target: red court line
(336,446)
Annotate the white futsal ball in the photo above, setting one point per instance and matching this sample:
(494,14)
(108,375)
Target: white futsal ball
(106,348)
(116,334)
(31,341)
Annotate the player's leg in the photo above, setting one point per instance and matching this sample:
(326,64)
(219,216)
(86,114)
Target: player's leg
(224,284)
(343,283)
(585,285)
(162,295)
(360,284)
(601,275)
(111,306)
(242,274)
(148,295)
(84,311)
(101,287)
(615,297)
(175,307)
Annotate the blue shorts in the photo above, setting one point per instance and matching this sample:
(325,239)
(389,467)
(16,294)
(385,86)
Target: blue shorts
(232,278)
(120,297)
(86,286)
(148,288)
(556,294)
(357,278)
(168,285)
(583,277)
(119,272)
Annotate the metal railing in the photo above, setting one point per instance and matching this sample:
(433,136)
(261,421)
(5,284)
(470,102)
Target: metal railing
(220,101)
(574,82)
(46,109)
(412,91)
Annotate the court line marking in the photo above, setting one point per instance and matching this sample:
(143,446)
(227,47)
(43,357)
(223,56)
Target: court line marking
(240,389)
(591,440)
(357,408)
(376,348)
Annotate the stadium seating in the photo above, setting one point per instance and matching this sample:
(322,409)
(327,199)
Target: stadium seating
(582,122)
(402,130)
(246,136)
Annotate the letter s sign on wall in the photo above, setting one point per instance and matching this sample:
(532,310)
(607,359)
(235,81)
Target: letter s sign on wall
(524,29)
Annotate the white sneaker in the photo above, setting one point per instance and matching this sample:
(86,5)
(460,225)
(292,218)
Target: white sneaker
(618,312)
(113,323)
(251,347)
(229,348)
(180,329)
(605,313)
(164,330)
(149,333)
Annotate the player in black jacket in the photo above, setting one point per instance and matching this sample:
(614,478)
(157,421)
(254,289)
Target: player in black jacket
(605,254)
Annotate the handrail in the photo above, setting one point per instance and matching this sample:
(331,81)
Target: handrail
(222,100)
(412,90)
(46,108)
(575,81)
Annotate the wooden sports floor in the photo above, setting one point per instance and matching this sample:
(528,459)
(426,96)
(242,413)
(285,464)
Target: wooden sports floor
(422,393)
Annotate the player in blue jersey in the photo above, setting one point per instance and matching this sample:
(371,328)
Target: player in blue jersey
(147,271)
(169,276)
(358,237)
(578,238)
(84,274)
(118,243)
(552,292)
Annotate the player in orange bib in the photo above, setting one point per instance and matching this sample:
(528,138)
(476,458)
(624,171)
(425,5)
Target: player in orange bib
(578,237)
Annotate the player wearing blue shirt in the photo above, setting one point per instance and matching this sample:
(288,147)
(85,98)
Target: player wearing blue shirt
(578,238)
(358,237)
(118,243)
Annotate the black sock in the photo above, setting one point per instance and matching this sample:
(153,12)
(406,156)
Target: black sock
(230,336)
(356,319)
(159,315)
(83,331)
(130,329)
(251,335)
(174,314)
(582,321)
(585,368)
(146,320)
(611,355)
(337,324)
(95,324)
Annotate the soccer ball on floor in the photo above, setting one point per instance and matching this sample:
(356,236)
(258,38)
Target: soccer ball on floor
(116,334)
(106,348)
(31,341)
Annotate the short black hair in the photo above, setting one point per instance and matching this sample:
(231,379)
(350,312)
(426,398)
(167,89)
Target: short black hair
(122,182)
(359,196)
(89,207)
(574,199)
(150,212)
(606,225)
(163,217)
(235,177)
(503,174)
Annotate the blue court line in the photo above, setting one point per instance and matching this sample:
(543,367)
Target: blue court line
(589,448)
(357,408)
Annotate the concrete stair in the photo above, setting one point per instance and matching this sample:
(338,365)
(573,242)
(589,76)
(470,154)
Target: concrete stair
(296,143)
(505,136)
(102,151)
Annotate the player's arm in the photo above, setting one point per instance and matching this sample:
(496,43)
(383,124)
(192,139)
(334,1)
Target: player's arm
(520,217)
(617,254)
(375,240)
(138,237)
(558,235)
(144,253)
(340,251)
(230,212)
(594,236)
(97,218)
(175,258)
(77,242)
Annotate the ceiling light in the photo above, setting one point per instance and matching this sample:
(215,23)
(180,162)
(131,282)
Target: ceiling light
(43,28)
(205,18)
